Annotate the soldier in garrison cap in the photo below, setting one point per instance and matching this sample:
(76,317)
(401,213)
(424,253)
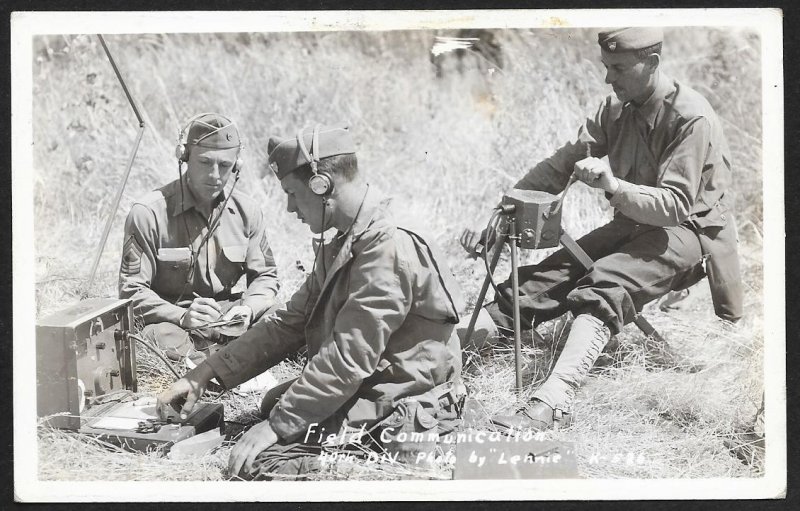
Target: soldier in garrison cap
(376,316)
(668,176)
(189,243)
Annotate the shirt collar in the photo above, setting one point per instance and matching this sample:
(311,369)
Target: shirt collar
(369,206)
(188,201)
(650,108)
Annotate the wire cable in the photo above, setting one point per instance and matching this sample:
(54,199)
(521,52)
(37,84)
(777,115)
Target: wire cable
(211,230)
(157,352)
(493,225)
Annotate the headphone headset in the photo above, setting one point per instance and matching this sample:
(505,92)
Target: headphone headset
(182,154)
(320,183)
(182,149)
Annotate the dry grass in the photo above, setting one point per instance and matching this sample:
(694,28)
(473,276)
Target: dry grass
(446,148)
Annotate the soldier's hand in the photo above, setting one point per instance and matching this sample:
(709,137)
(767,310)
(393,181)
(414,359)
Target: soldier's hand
(253,441)
(473,240)
(597,174)
(239,310)
(184,393)
(201,312)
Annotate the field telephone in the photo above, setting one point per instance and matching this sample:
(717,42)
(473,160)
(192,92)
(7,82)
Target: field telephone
(531,219)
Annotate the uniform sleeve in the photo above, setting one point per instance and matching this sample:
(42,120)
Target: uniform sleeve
(262,274)
(671,201)
(267,342)
(138,268)
(551,175)
(380,297)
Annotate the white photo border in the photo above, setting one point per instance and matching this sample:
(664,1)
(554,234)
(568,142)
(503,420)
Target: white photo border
(25,25)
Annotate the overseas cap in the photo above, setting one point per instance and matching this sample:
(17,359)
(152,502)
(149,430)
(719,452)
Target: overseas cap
(286,155)
(629,38)
(213,131)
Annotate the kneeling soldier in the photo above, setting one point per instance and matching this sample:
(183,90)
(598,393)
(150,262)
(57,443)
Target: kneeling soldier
(188,243)
(376,317)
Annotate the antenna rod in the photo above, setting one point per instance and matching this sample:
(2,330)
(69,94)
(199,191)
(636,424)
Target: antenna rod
(121,81)
(127,173)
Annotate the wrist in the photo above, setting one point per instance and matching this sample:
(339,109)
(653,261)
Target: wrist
(613,186)
(201,374)
(183,318)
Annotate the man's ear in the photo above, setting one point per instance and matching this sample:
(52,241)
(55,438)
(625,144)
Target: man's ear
(652,62)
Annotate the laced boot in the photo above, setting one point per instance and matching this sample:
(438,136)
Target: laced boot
(550,404)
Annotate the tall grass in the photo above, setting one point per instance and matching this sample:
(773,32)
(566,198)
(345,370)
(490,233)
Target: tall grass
(445,148)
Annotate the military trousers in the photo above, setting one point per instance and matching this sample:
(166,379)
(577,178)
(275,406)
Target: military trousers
(633,265)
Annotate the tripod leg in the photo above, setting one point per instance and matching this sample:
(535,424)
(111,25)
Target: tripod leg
(515,291)
(482,294)
(474,317)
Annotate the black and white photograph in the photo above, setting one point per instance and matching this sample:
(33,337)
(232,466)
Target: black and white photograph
(387,255)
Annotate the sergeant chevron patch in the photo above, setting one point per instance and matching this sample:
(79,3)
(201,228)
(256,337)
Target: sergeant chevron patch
(131,256)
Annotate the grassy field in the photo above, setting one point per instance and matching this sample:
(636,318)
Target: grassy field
(446,147)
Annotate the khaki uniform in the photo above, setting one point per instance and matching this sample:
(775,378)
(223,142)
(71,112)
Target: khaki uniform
(377,319)
(162,232)
(673,211)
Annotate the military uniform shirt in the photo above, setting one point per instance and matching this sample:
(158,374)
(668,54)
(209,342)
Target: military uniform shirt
(377,323)
(669,154)
(673,166)
(163,233)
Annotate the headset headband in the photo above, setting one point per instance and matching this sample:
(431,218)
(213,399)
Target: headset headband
(313,157)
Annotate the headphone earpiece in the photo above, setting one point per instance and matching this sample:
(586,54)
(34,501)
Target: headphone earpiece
(181,153)
(237,167)
(320,184)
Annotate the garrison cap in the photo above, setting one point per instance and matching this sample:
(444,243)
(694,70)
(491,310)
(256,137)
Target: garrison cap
(629,38)
(285,154)
(213,131)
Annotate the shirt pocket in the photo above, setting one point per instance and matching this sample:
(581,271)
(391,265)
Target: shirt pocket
(173,265)
(233,262)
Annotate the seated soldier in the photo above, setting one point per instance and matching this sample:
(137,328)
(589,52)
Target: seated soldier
(188,243)
(668,177)
(376,316)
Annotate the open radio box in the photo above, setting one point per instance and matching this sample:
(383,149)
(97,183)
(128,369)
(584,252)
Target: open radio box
(85,360)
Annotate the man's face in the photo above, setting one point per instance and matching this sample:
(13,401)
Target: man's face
(627,75)
(301,201)
(208,171)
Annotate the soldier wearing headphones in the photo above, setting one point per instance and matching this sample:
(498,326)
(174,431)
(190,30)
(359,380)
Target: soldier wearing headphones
(376,316)
(188,244)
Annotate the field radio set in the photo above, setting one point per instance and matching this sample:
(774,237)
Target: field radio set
(86,380)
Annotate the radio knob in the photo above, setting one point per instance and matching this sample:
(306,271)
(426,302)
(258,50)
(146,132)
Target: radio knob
(529,236)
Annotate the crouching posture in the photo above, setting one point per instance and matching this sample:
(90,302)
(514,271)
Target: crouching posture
(667,176)
(376,317)
(189,243)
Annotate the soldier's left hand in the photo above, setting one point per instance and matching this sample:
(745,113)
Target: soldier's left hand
(256,439)
(597,174)
(239,310)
